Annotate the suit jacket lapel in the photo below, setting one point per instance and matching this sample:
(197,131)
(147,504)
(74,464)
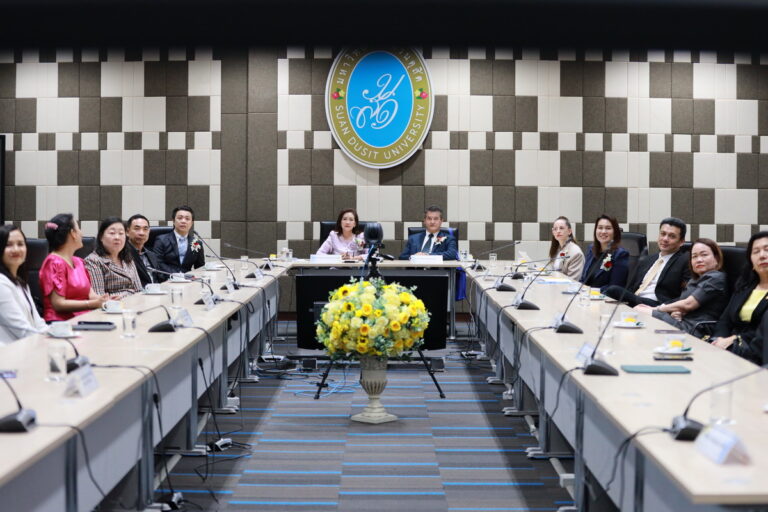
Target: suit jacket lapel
(672,261)
(174,246)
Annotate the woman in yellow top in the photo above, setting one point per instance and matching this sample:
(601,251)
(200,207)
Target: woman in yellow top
(736,330)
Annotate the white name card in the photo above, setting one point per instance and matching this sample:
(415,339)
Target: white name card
(230,286)
(325,258)
(585,352)
(721,446)
(427,259)
(81,382)
(183,318)
(208,301)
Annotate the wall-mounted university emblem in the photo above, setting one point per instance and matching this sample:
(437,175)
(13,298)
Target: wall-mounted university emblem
(379,104)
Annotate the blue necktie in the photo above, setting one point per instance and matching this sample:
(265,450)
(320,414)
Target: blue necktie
(182,249)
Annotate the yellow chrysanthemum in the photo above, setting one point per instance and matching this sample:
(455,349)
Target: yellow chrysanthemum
(377,313)
(403,317)
(362,347)
(405,297)
(348,306)
(365,329)
(395,326)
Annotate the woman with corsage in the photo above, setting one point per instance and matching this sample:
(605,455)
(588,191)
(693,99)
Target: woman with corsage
(346,238)
(606,263)
(565,253)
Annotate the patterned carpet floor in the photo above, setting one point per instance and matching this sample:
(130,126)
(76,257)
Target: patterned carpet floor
(292,452)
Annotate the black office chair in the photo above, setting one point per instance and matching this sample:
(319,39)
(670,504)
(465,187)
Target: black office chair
(327,225)
(637,246)
(155,231)
(734,259)
(452,231)
(89,243)
(37,250)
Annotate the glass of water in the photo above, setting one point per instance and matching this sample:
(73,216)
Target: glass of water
(57,361)
(243,263)
(129,323)
(492,262)
(720,403)
(176,298)
(584,295)
(607,342)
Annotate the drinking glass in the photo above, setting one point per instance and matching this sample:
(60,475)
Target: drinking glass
(129,323)
(492,262)
(243,263)
(57,361)
(607,343)
(721,399)
(584,295)
(176,298)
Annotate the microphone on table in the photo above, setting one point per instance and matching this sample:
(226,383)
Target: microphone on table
(234,279)
(72,364)
(476,264)
(501,286)
(594,366)
(171,274)
(269,262)
(252,274)
(20,421)
(686,429)
(165,325)
(564,327)
(526,304)
(520,275)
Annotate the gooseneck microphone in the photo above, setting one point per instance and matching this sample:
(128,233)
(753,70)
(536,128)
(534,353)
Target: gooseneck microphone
(526,304)
(171,274)
(476,264)
(269,262)
(686,429)
(20,421)
(165,325)
(252,275)
(564,327)
(594,366)
(72,364)
(234,279)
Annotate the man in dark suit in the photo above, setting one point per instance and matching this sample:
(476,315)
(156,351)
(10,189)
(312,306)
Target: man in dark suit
(433,240)
(659,278)
(138,234)
(180,250)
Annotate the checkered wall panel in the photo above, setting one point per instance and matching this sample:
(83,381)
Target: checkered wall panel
(111,132)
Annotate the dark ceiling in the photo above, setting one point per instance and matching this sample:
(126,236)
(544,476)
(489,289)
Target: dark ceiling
(723,24)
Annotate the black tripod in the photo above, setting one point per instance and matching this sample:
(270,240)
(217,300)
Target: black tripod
(373,271)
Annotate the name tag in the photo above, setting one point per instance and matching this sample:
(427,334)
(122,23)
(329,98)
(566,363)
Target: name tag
(183,318)
(585,352)
(81,382)
(208,301)
(721,446)
(230,286)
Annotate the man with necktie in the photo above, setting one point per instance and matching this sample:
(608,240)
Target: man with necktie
(180,250)
(660,278)
(432,240)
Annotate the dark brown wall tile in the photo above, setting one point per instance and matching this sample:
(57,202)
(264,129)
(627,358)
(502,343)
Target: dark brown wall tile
(262,165)
(176,167)
(233,167)
(704,117)
(112,200)
(26,115)
(593,115)
(177,78)
(746,170)
(89,202)
(322,203)
(571,174)
(7,115)
(7,80)
(66,168)
(682,170)
(322,167)
(344,196)
(503,77)
(594,79)
(571,78)
(660,76)
(434,195)
(682,116)
(440,115)
(413,169)
(504,204)
(703,206)
(199,113)
(200,201)
(616,202)
(660,169)
(89,168)
(111,115)
(503,167)
(593,163)
(90,79)
(299,76)
(616,115)
(503,113)
(480,77)
(480,168)
(526,204)
(320,70)
(682,80)
(592,203)
(154,167)
(26,203)
(234,81)
(526,113)
(69,79)
(299,166)
(262,80)
(413,204)
(155,77)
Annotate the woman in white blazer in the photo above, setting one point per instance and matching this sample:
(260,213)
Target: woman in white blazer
(18,315)
(564,244)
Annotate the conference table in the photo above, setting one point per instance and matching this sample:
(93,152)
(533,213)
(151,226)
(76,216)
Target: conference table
(595,413)
(45,469)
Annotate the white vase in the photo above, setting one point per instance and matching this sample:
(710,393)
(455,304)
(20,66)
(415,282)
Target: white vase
(373,379)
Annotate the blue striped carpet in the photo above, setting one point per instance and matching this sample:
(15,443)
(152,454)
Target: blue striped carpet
(297,453)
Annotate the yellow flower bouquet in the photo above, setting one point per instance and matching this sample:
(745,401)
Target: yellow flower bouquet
(372,318)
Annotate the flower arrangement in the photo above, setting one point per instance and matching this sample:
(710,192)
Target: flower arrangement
(372,318)
(607,263)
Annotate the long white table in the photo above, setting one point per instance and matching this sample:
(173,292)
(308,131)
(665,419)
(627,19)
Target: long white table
(596,413)
(45,469)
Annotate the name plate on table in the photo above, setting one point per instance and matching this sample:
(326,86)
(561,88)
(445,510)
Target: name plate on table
(721,446)
(208,301)
(81,382)
(427,259)
(230,286)
(325,258)
(585,352)
(183,318)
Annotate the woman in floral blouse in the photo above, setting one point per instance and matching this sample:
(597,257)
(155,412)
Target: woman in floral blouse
(345,238)
(607,263)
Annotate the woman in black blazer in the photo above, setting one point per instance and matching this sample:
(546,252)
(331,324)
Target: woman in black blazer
(613,266)
(736,330)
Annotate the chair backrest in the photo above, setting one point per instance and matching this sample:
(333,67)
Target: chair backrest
(89,243)
(37,250)
(155,231)
(451,230)
(734,259)
(327,225)
(635,243)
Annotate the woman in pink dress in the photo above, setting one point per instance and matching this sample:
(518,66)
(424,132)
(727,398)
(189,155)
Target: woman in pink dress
(64,281)
(345,238)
